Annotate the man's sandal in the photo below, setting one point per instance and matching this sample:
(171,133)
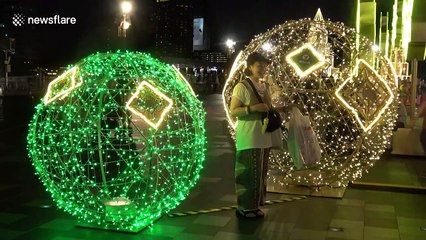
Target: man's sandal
(251,214)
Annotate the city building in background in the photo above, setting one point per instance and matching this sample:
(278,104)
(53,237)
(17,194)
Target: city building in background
(214,57)
(182,31)
(174,27)
(201,35)
(182,38)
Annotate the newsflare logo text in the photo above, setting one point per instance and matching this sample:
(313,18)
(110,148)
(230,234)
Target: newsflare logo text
(19,19)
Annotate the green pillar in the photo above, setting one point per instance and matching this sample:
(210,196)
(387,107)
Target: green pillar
(366,22)
(384,34)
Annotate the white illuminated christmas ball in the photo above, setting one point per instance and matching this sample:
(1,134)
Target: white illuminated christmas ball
(348,91)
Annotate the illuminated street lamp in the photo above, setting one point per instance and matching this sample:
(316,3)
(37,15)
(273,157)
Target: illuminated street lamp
(7,53)
(231,46)
(126,25)
(376,49)
(126,8)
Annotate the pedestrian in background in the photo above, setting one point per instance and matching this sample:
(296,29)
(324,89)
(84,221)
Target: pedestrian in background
(421,113)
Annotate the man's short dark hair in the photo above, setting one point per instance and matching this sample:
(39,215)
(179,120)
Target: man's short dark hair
(256,57)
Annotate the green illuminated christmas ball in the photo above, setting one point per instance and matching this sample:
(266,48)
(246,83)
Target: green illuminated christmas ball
(118,140)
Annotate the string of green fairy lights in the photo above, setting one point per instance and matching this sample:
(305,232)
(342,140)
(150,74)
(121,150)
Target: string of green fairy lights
(349,96)
(118,139)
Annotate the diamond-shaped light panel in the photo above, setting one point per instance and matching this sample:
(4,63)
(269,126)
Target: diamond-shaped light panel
(150,104)
(305,60)
(366,94)
(61,86)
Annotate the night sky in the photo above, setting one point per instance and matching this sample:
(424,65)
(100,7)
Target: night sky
(97,21)
(242,20)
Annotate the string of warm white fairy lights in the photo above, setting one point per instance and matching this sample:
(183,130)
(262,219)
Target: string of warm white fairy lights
(349,98)
(118,140)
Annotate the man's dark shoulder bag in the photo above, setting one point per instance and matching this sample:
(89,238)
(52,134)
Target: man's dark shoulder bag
(274,117)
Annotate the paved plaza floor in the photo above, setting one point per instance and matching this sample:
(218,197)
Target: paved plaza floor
(366,212)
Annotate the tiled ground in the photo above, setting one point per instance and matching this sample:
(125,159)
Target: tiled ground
(26,211)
